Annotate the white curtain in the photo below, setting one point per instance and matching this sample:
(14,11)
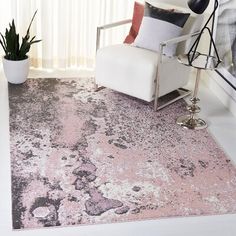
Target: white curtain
(67,28)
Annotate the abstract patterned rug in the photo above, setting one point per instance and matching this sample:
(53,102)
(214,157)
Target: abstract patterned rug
(81,157)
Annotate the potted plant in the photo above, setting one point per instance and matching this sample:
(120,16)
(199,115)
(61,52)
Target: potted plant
(16,60)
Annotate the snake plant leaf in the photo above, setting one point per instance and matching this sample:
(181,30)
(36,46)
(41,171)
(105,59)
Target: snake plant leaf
(36,41)
(3,46)
(28,30)
(32,39)
(3,43)
(3,40)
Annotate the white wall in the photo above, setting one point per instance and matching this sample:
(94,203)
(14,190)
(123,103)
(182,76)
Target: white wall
(225,93)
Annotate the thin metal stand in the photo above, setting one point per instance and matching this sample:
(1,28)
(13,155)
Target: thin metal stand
(193,50)
(191,121)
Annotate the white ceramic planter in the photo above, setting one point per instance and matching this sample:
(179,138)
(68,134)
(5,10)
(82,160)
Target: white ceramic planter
(16,71)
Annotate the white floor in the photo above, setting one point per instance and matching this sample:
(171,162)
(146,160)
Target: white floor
(222,125)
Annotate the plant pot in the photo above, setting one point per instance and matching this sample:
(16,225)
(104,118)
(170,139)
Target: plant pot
(16,71)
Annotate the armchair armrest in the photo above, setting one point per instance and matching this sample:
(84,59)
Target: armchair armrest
(109,26)
(179,39)
(118,23)
(174,41)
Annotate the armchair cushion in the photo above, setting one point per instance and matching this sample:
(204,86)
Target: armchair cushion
(159,25)
(127,69)
(136,22)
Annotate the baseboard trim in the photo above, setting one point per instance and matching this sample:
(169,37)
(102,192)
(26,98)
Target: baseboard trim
(223,91)
(228,82)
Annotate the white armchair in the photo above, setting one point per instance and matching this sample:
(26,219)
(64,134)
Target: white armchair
(142,73)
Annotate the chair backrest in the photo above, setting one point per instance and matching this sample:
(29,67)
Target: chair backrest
(193,24)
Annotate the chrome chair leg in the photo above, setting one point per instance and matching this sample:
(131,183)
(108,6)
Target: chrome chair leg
(182,93)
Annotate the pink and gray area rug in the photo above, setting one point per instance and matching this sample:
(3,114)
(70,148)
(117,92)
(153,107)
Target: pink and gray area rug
(85,157)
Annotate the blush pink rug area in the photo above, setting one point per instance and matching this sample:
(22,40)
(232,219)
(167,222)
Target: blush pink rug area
(85,157)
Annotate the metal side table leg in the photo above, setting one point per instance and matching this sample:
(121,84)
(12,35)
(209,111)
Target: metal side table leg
(191,121)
